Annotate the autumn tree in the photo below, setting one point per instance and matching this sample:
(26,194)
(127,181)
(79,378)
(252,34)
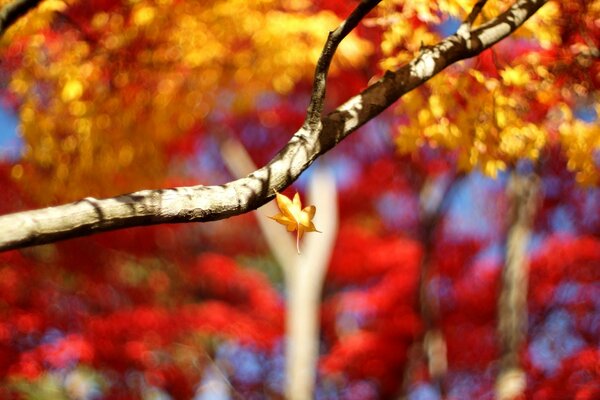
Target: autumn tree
(440,281)
(316,136)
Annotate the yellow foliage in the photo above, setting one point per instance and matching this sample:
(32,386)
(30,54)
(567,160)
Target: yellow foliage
(143,15)
(100,105)
(517,76)
(483,119)
(72,90)
(487,130)
(402,40)
(581,143)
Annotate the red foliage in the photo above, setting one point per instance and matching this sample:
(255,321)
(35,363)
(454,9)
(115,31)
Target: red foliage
(218,277)
(372,324)
(368,354)
(576,259)
(578,378)
(360,255)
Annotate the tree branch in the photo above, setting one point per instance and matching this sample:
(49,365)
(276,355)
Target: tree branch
(464,30)
(209,203)
(317,98)
(10,13)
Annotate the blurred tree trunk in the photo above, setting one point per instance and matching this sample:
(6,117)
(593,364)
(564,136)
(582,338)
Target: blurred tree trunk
(214,385)
(304,285)
(430,348)
(522,192)
(304,273)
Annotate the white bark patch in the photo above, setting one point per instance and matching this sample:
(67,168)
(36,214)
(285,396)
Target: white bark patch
(304,133)
(424,66)
(464,32)
(352,107)
(493,34)
(517,16)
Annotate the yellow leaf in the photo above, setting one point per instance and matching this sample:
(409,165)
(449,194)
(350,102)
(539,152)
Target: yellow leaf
(53,5)
(72,90)
(294,217)
(143,15)
(517,76)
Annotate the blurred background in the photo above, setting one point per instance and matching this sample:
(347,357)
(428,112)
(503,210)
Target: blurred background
(460,249)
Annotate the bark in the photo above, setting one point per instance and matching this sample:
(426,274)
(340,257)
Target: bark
(523,193)
(11,12)
(209,203)
(238,162)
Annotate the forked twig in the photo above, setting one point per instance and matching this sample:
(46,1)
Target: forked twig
(317,98)
(466,27)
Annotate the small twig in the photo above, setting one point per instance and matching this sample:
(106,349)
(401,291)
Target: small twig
(317,98)
(10,13)
(475,12)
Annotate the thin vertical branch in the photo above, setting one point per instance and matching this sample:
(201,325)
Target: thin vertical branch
(431,346)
